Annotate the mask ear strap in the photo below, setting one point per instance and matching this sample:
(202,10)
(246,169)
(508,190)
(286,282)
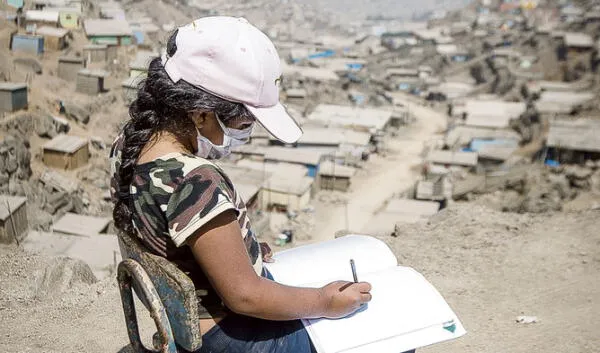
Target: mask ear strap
(221,124)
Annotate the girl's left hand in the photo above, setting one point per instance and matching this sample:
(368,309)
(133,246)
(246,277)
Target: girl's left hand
(267,253)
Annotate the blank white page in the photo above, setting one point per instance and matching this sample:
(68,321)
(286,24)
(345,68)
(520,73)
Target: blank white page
(321,263)
(403,302)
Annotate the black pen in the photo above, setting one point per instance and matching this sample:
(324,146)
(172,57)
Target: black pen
(353,271)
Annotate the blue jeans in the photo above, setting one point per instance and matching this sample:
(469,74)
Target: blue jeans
(244,334)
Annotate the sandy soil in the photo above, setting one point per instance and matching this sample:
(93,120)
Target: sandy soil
(490,266)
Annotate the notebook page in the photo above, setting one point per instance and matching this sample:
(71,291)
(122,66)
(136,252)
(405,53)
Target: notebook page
(412,340)
(403,302)
(321,263)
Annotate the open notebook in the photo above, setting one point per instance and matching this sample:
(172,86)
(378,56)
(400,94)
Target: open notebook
(406,311)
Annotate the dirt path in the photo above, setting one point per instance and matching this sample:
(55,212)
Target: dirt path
(385,176)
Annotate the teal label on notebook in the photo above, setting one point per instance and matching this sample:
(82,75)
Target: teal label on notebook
(449,326)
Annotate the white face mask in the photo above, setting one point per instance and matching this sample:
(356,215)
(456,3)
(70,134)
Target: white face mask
(231,138)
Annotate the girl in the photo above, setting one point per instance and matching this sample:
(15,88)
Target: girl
(219,76)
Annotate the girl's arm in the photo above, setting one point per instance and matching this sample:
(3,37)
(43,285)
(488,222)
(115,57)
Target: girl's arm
(219,249)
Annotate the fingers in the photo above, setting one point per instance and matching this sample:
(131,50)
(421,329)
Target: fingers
(266,249)
(364,287)
(267,253)
(365,297)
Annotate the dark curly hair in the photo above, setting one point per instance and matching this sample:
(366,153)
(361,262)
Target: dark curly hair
(161,105)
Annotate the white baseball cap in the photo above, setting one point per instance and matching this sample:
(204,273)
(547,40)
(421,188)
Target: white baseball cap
(234,60)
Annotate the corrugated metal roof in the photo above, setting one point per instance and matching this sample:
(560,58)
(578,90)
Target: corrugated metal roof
(332,136)
(492,113)
(72,223)
(579,135)
(14,202)
(579,40)
(453,158)
(566,98)
(11,86)
(497,153)
(42,15)
(330,169)
(51,31)
(340,115)
(96,73)
(274,168)
(65,143)
(291,185)
(316,74)
(102,27)
(293,155)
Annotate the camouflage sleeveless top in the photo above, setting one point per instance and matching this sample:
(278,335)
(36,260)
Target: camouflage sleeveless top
(173,196)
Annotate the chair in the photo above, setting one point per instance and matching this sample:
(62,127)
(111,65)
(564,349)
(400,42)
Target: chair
(166,292)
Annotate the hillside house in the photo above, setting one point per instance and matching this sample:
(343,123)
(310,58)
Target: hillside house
(360,119)
(13,218)
(90,81)
(27,43)
(54,38)
(95,53)
(41,18)
(110,32)
(66,152)
(573,141)
(287,193)
(139,66)
(333,176)
(307,158)
(68,67)
(13,96)
(130,89)
(448,159)
(69,17)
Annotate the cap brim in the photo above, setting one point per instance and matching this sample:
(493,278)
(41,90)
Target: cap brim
(278,122)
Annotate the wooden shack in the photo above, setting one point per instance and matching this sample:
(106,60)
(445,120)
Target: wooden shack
(25,43)
(13,218)
(54,38)
(95,53)
(90,81)
(40,18)
(13,96)
(108,31)
(573,140)
(66,152)
(130,89)
(68,67)
(335,177)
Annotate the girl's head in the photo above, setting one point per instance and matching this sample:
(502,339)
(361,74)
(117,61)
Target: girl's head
(218,76)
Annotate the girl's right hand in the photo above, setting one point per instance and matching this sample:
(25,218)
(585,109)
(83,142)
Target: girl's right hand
(344,298)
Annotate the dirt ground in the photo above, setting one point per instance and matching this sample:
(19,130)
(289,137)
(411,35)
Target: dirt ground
(490,266)
(382,177)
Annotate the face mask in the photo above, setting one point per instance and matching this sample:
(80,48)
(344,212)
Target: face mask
(231,138)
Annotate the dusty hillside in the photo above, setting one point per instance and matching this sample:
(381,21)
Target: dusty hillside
(490,266)
(493,267)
